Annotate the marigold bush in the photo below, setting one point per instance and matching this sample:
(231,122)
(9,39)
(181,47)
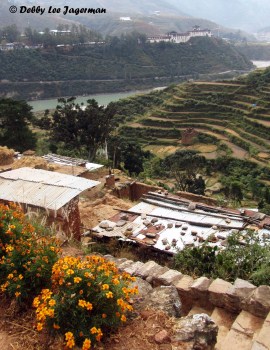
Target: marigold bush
(88,299)
(26,255)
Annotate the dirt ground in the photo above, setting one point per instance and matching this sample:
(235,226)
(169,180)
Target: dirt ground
(102,208)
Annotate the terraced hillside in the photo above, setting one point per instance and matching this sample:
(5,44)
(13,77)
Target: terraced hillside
(231,117)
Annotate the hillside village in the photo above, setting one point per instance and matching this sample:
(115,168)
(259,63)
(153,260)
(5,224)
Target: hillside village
(143,223)
(92,204)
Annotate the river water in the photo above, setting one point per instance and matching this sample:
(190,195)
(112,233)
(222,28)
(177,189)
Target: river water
(102,99)
(261,64)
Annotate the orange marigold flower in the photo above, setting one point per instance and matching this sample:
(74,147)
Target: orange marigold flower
(86,344)
(105,286)
(52,302)
(77,279)
(123,318)
(56,326)
(93,330)
(39,326)
(104,315)
(109,295)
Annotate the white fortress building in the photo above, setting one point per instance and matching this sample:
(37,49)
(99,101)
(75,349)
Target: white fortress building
(177,38)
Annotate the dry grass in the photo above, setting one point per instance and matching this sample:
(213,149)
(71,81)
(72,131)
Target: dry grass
(6,155)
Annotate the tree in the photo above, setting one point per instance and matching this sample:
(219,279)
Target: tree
(133,157)
(129,153)
(80,130)
(184,167)
(15,117)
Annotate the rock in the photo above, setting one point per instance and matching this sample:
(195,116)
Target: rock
(214,227)
(164,241)
(168,247)
(258,303)
(109,229)
(199,331)
(154,220)
(129,228)
(228,221)
(218,293)
(182,233)
(219,236)
(162,337)
(125,264)
(133,268)
(104,224)
(238,293)
(146,222)
(170,225)
(150,235)
(184,227)
(144,288)
(148,269)
(178,224)
(191,206)
(194,233)
(121,223)
(167,278)
(124,217)
(159,271)
(164,298)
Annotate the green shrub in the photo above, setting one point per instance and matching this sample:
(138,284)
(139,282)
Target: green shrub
(246,256)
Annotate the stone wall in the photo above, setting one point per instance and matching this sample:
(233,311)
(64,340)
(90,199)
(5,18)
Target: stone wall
(134,190)
(203,292)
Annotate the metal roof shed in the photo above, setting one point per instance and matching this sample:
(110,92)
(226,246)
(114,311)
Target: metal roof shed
(41,188)
(46,189)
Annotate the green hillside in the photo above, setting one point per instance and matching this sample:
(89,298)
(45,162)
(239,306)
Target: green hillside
(122,63)
(231,118)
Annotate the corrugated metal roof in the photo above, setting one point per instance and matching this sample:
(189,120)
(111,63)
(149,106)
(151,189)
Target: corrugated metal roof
(41,188)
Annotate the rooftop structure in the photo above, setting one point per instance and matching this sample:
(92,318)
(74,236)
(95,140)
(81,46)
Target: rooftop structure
(63,160)
(41,188)
(169,223)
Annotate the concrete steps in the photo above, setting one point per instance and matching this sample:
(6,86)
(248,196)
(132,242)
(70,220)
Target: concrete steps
(244,330)
(224,320)
(262,338)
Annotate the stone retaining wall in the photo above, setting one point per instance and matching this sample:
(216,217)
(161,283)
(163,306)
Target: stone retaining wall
(204,292)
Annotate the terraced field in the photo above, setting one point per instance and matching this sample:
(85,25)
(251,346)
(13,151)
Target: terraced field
(233,115)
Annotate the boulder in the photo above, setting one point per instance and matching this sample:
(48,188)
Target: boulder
(239,293)
(167,278)
(198,332)
(258,303)
(164,298)
(218,293)
(147,268)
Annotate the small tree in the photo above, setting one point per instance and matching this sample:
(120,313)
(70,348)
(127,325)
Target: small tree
(184,167)
(15,118)
(79,130)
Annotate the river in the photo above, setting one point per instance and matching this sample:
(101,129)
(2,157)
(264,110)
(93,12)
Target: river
(102,99)
(261,64)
